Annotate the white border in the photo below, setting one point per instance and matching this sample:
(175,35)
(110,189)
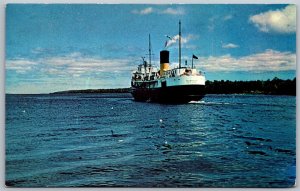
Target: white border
(2,77)
(157,1)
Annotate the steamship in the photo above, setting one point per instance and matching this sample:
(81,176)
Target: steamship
(181,84)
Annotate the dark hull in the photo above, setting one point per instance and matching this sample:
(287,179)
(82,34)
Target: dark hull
(173,94)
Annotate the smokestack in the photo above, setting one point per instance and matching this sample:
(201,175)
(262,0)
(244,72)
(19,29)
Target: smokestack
(164,56)
(164,61)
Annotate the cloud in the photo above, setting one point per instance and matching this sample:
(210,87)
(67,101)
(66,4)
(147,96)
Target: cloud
(278,21)
(20,65)
(227,17)
(270,60)
(230,45)
(145,11)
(75,71)
(167,11)
(71,64)
(71,71)
(211,23)
(184,40)
(172,11)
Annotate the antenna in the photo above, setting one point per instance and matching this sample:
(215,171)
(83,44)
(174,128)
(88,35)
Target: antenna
(179,56)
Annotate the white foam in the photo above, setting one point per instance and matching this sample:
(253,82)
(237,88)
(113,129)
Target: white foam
(197,102)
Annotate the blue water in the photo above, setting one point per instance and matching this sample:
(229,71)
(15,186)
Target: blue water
(221,141)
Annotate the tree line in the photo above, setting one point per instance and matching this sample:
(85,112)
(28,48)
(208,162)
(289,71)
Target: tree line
(117,90)
(275,86)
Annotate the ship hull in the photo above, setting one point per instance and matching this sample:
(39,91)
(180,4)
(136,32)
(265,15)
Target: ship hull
(171,94)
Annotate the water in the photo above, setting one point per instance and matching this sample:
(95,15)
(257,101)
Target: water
(221,141)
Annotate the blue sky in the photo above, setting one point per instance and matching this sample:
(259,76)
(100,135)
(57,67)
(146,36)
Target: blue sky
(61,47)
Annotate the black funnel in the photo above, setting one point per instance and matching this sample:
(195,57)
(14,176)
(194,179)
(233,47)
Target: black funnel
(164,56)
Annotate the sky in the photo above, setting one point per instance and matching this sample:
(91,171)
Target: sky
(57,47)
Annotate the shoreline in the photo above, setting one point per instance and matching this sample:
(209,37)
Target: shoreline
(275,86)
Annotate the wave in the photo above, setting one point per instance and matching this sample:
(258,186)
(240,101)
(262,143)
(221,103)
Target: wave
(211,103)
(240,103)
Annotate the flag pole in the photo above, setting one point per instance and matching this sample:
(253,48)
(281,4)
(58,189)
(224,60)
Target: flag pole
(192,62)
(193,57)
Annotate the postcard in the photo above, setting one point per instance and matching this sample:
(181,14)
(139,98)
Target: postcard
(150,95)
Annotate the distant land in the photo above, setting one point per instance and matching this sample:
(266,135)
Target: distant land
(117,90)
(275,86)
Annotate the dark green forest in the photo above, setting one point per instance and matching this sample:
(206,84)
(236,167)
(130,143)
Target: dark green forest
(275,86)
(118,90)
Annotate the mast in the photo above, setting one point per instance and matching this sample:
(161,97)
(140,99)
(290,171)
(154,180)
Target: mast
(149,58)
(179,56)
(149,50)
